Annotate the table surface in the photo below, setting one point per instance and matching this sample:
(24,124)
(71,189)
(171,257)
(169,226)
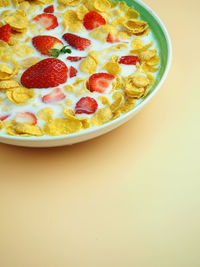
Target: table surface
(128,198)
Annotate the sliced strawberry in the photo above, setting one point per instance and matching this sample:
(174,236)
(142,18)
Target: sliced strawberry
(49,72)
(74,59)
(47,21)
(99,82)
(49,9)
(86,105)
(112,39)
(4,117)
(128,60)
(53,96)
(5,32)
(49,45)
(93,20)
(76,41)
(25,117)
(72,72)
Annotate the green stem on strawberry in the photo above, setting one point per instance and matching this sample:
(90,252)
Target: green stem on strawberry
(56,52)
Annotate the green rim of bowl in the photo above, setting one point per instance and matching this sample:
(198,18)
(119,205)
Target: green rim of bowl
(159,36)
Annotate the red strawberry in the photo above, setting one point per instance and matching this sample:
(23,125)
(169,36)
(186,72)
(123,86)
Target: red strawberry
(5,31)
(112,39)
(49,45)
(47,21)
(49,9)
(53,96)
(99,82)
(4,117)
(44,43)
(72,72)
(86,105)
(25,117)
(76,41)
(75,59)
(128,60)
(93,20)
(49,72)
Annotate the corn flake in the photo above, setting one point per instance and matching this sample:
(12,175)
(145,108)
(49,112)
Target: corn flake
(140,81)
(4,85)
(136,86)
(104,100)
(62,126)
(5,3)
(123,6)
(5,69)
(94,55)
(69,88)
(154,61)
(113,68)
(20,95)
(135,26)
(88,65)
(23,50)
(122,35)
(119,21)
(129,105)
(70,20)
(102,5)
(18,21)
(138,50)
(28,129)
(71,3)
(28,62)
(5,13)
(102,116)
(131,13)
(24,5)
(81,11)
(119,100)
(45,114)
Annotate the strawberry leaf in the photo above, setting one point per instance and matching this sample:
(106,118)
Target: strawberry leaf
(56,52)
(65,50)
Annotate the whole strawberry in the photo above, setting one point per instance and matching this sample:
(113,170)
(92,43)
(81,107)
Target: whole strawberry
(49,45)
(49,72)
(5,31)
(76,41)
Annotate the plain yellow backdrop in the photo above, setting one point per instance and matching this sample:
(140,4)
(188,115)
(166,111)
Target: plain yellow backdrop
(129,198)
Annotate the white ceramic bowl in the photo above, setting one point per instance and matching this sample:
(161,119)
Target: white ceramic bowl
(164,44)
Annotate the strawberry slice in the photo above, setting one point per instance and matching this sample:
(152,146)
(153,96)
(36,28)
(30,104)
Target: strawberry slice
(128,60)
(74,59)
(4,117)
(99,82)
(53,96)
(49,9)
(5,32)
(25,117)
(49,45)
(72,72)
(112,39)
(93,20)
(47,21)
(76,41)
(49,72)
(86,105)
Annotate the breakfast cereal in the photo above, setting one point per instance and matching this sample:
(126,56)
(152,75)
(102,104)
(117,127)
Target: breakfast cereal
(70,65)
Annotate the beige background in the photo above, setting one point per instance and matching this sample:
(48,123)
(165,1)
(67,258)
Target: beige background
(129,198)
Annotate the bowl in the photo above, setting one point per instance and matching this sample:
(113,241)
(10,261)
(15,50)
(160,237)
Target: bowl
(165,52)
